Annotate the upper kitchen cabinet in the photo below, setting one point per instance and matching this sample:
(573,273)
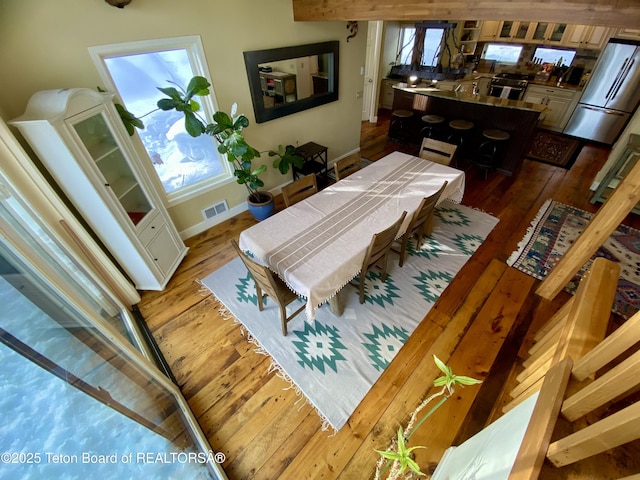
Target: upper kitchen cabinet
(630,33)
(587,36)
(548,33)
(514,31)
(469,36)
(81,140)
(489,30)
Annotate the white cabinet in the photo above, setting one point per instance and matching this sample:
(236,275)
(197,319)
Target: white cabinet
(630,33)
(586,36)
(547,33)
(469,35)
(489,30)
(560,104)
(386,93)
(79,137)
(514,31)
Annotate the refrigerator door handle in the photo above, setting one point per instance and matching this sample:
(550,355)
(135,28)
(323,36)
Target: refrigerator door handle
(602,110)
(622,79)
(618,79)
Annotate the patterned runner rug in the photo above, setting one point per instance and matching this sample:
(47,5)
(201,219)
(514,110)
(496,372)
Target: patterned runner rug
(554,230)
(334,361)
(553,148)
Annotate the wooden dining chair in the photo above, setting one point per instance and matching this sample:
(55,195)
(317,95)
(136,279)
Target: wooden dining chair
(299,189)
(269,284)
(437,151)
(377,253)
(346,166)
(421,223)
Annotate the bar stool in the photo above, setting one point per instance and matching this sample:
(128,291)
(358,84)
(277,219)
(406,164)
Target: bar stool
(459,131)
(400,128)
(487,158)
(432,127)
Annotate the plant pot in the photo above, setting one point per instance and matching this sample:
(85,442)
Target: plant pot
(261,207)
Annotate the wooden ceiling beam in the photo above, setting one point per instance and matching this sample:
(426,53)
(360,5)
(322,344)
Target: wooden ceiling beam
(620,13)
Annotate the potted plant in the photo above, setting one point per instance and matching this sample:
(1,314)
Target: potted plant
(227,130)
(397,461)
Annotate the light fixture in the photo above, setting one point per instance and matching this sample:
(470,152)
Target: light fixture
(413,80)
(118,3)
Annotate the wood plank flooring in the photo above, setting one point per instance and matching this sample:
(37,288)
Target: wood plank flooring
(267,432)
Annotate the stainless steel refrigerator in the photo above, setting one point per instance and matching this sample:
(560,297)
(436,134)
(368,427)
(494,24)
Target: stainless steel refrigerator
(611,95)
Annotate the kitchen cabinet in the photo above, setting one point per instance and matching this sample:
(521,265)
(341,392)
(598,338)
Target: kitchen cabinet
(386,93)
(514,31)
(79,137)
(630,33)
(469,35)
(560,104)
(547,33)
(618,171)
(489,30)
(586,36)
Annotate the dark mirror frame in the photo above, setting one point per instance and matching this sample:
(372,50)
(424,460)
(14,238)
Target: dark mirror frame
(258,57)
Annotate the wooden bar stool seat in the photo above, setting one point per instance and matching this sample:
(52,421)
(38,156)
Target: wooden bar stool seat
(459,130)
(432,126)
(400,128)
(487,158)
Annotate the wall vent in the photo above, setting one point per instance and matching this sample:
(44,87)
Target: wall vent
(215,209)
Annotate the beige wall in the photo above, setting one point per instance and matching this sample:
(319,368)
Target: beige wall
(44,46)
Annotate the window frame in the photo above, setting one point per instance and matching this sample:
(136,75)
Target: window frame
(403,28)
(192,44)
(502,45)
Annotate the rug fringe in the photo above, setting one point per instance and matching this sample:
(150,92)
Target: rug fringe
(274,367)
(530,232)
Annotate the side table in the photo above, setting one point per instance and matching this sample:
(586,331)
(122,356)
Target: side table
(315,161)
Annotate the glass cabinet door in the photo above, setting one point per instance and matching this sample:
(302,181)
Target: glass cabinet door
(95,135)
(505,29)
(540,31)
(557,32)
(522,30)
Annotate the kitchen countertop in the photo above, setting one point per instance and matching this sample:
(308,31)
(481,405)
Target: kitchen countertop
(565,86)
(471,98)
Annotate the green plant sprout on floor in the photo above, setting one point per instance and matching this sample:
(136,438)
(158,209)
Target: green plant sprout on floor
(395,461)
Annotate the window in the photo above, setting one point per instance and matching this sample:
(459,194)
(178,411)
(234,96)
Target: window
(185,165)
(431,50)
(502,53)
(554,55)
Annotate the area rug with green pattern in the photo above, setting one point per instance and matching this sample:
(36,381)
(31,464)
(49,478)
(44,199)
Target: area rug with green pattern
(334,361)
(553,231)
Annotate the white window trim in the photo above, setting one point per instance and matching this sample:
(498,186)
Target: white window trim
(193,45)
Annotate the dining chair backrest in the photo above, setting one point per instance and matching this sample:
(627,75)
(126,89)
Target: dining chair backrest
(299,189)
(269,283)
(437,151)
(422,222)
(346,166)
(378,251)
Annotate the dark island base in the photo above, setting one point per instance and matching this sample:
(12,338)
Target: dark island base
(519,123)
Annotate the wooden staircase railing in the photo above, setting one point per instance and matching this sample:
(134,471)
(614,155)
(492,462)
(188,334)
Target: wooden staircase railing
(566,366)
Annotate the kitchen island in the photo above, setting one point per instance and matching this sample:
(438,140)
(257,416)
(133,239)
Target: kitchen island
(516,117)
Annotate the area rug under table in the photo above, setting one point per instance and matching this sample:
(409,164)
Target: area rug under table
(334,361)
(555,229)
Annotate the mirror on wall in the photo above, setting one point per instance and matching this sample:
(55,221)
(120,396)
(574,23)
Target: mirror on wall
(291,79)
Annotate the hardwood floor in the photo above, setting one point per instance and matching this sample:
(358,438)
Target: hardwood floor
(266,432)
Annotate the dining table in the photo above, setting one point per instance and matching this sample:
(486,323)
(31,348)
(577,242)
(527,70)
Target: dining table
(317,246)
